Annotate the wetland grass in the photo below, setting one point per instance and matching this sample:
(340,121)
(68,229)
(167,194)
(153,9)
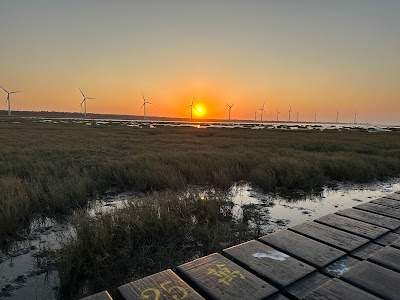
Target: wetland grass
(146,236)
(48,168)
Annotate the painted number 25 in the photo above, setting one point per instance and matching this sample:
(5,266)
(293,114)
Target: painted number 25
(177,292)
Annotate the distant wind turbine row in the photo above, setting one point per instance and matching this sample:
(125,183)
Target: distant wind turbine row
(261,110)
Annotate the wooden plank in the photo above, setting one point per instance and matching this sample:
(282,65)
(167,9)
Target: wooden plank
(375,279)
(387,202)
(268,263)
(278,297)
(337,238)
(336,289)
(395,196)
(341,266)
(303,248)
(99,296)
(379,209)
(217,277)
(388,257)
(387,239)
(163,285)
(301,288)
(369,217)
(396,244)
(366,251)
(360,228)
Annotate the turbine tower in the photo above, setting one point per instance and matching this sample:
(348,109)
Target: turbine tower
(84,102)
(297,119)
(290,110)
(255,116)
(277,115)
(261,110)
(337,116)
(191,108)
(355,117)
(230,107)
(8,98)
(315,117)
(144,106)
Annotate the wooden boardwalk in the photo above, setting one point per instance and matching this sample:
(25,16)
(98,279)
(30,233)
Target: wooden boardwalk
(352,254)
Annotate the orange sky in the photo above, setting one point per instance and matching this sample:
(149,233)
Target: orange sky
(318,58)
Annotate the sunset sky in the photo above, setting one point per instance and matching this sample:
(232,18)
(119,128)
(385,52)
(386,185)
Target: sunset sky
(317,56)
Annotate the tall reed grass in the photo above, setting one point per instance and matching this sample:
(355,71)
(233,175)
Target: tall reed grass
(55,168)
(146,236)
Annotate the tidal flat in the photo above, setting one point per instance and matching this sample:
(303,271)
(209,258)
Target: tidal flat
(56,170)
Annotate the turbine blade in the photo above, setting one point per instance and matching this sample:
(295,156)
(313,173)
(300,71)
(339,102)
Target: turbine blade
(142,105)
(3,89)
(149,103)
(15,92)
(90,98)
(82,93)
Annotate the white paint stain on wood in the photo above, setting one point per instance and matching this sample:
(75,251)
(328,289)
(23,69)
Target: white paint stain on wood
(273,254)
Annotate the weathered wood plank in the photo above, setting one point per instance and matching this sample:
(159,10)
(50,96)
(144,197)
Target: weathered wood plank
(303,248)
(360,228)
(268,263)
(396,244)
(341,266)
(301,288)
(395,196)
(369,217)
(375,279)
(99,296)
(387,239)
(388,257)
(163,285)
(278,297)
(219,278)
(366,251)
(337,238)
(387,202)
(379,209)
(336,289)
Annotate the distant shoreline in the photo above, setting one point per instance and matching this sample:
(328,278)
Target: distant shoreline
(76,115)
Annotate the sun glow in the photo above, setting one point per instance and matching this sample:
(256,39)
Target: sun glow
(200,111)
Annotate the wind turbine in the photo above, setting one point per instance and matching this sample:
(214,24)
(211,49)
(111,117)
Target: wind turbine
(230,107)
(297,113)
(84,101)
(191,108)
(262,110)
(337,116)
(144,106)
(255,116)
(290,110)
(8,98)
(277,115)
(315,117)
(355,117)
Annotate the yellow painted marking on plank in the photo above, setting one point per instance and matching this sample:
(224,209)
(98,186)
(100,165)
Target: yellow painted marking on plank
(177,292)
(225,275)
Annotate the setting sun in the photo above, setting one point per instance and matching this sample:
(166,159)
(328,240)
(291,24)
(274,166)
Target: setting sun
(200,111)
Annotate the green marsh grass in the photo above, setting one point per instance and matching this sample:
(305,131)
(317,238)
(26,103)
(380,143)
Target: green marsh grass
(146,236)
(50,168)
